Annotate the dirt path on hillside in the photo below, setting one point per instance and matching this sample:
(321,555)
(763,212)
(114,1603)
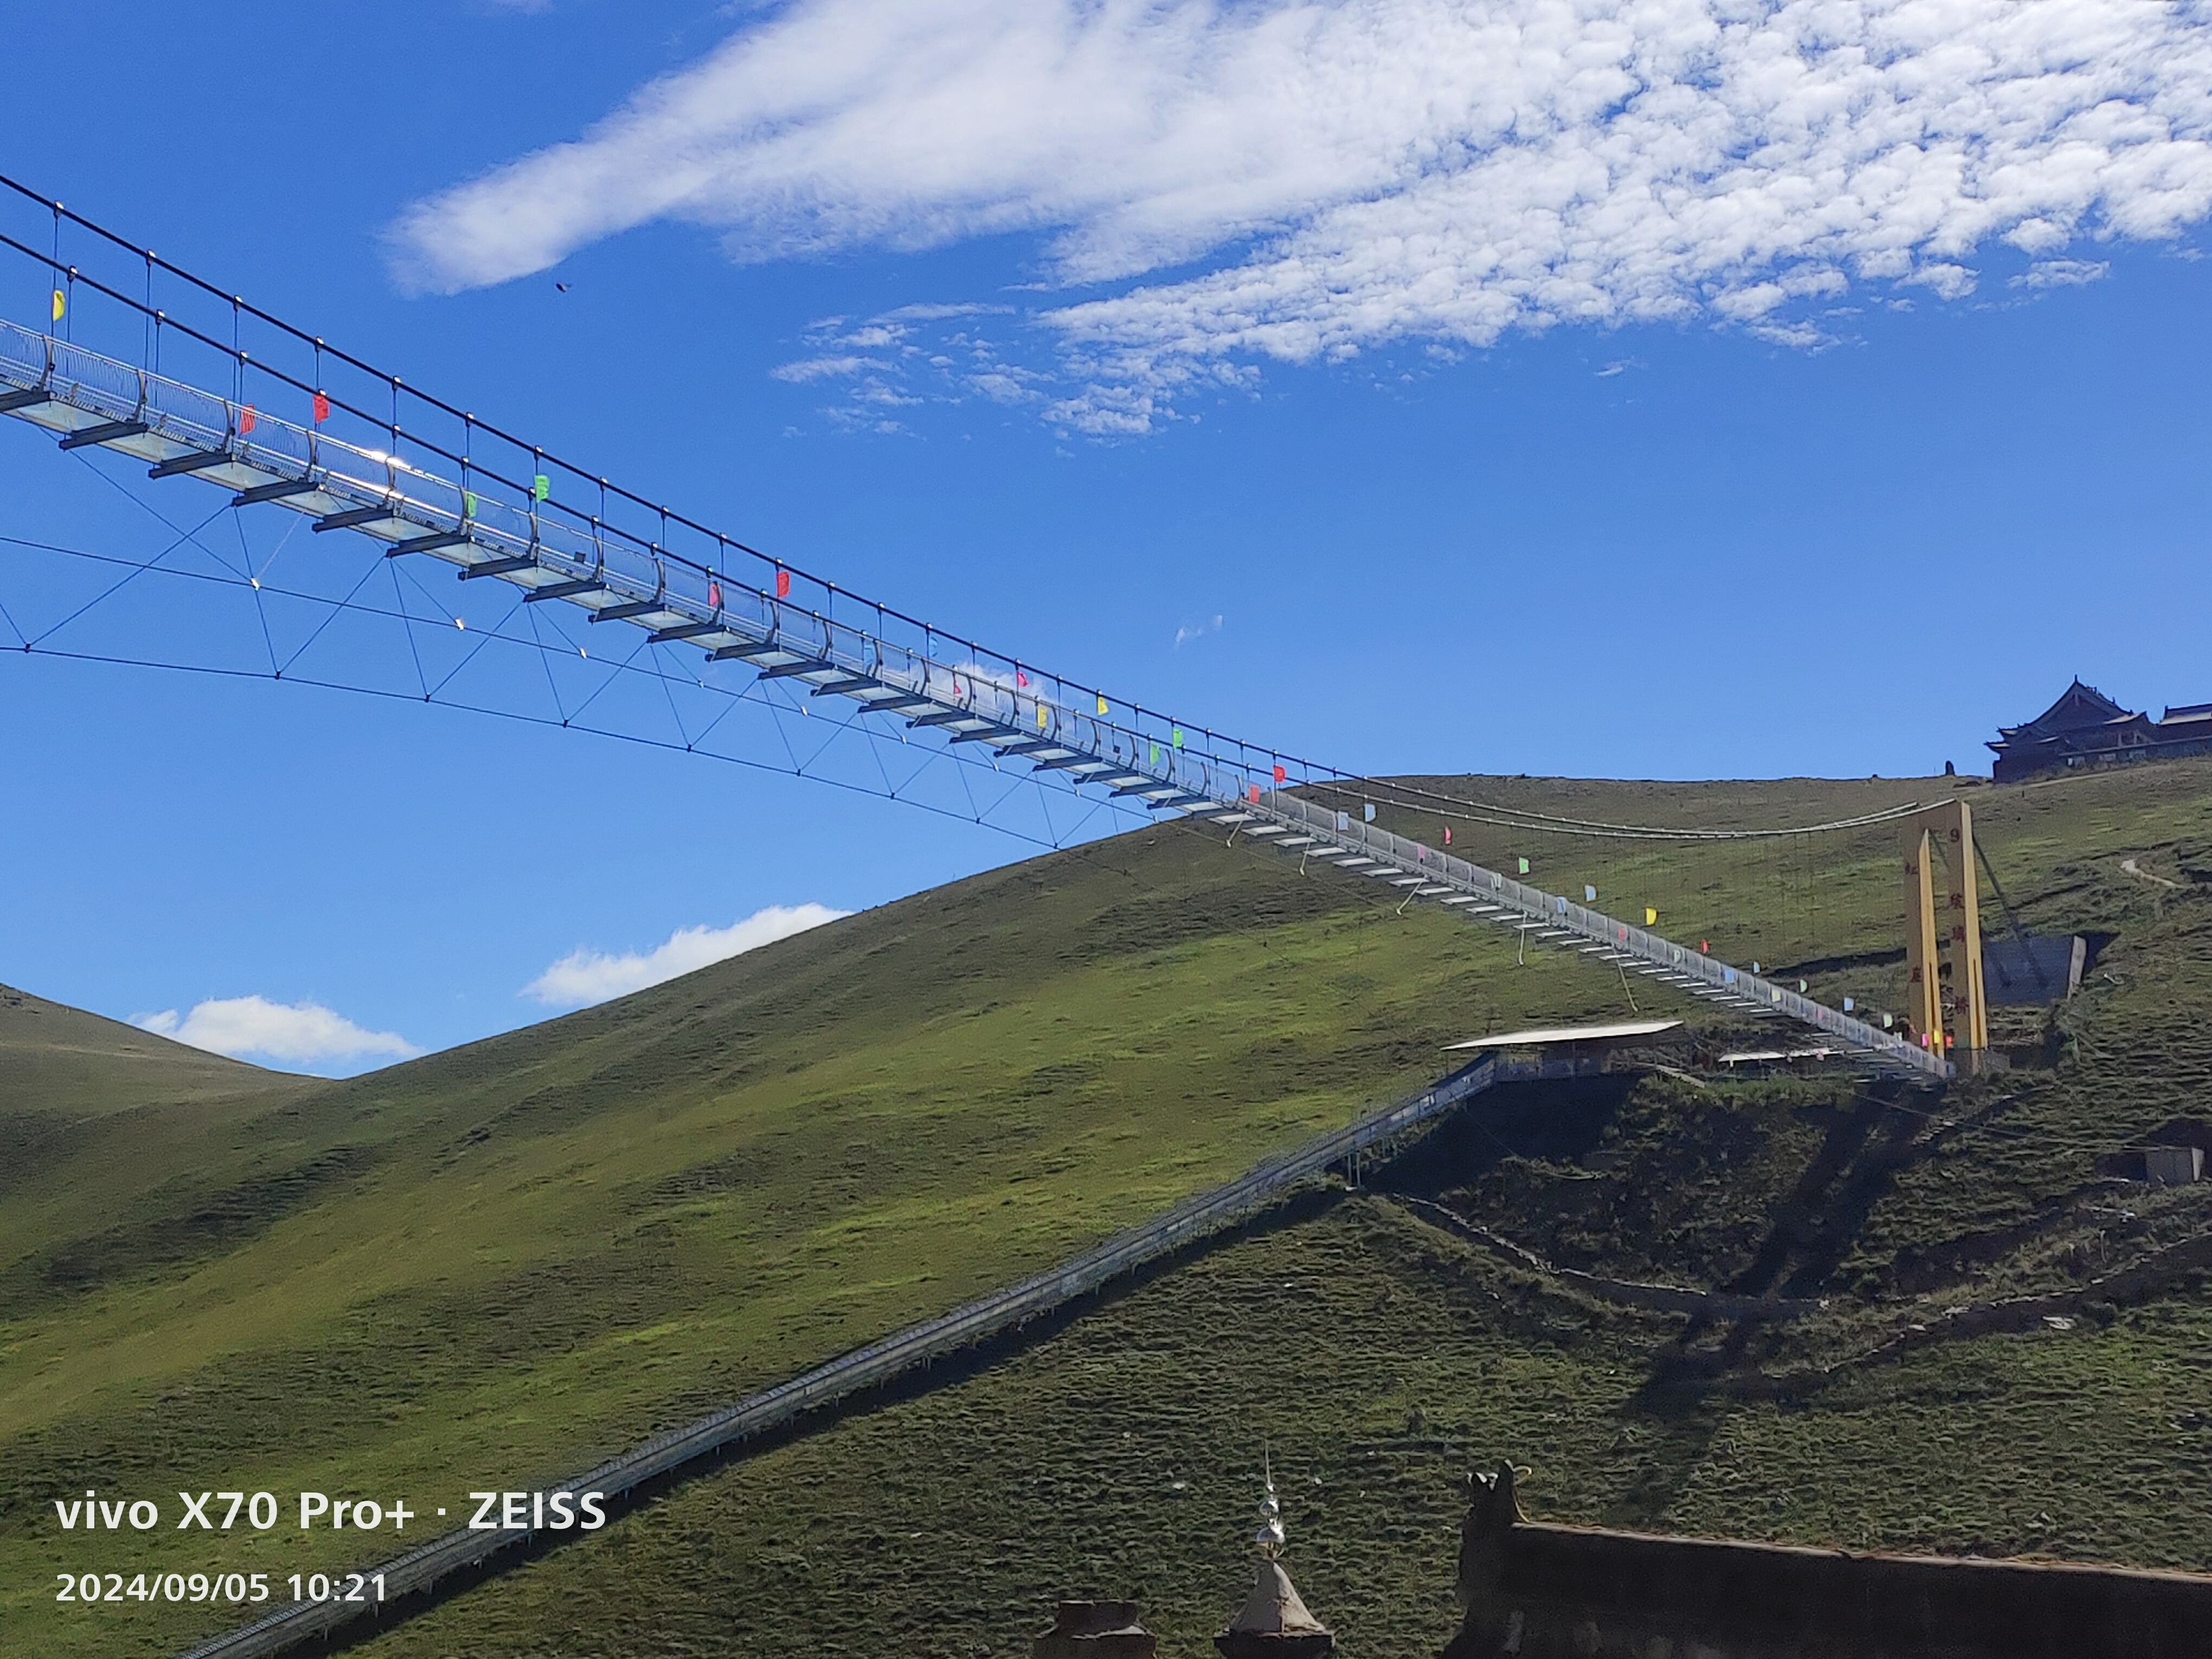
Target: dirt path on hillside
(2128,866)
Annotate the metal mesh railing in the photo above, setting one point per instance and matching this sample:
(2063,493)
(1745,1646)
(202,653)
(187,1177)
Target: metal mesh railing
(1004,702)
(880,1361)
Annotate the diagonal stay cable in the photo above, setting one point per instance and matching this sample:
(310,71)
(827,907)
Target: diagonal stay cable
(668,695)
(520,718)
(407,627)
(752,692)
(837,729)
(277,552)
(260,610)
(483,639)
(110,592)
(545,662)
(338,608)
(163,519)
(614,672)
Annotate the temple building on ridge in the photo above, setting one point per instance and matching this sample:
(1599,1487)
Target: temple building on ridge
(2087,728)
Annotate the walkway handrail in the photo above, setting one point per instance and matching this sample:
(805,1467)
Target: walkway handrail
(1319,832)
(1018,712)
(879,1362)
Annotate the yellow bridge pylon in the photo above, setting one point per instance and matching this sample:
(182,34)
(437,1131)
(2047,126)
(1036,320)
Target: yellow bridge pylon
(1954,930)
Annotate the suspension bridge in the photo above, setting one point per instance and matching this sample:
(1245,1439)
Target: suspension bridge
(420,486)
(497,510)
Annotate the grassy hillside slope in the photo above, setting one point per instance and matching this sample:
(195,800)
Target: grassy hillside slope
(1379,1360)
(59,1060)
(1380,1355)
(496,1264)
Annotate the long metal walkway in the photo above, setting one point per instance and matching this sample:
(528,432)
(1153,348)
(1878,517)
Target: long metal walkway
(421,1568)
(889,666)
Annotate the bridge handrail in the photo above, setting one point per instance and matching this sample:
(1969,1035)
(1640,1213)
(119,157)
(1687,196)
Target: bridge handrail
(1010,704)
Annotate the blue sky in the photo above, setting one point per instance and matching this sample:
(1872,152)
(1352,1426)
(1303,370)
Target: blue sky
(1354,377)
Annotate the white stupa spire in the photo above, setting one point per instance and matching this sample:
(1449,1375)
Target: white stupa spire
(1269,1537)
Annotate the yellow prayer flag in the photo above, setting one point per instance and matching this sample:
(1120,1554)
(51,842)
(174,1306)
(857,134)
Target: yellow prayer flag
(1102,705)
(61,304)
(1651,916)
(1041,722)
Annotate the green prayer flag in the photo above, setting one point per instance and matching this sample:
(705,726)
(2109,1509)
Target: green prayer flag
(1524,866)
(540,488)
(1175,733)
(468,503)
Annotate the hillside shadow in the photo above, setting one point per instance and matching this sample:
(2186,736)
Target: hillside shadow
(1814,1230)
(1560,1121)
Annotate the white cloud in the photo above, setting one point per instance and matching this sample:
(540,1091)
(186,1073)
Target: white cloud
(1187,633)
(2062,273)
(899,369)
(815,368)
(586,976)
(291,1034)
(1344,173)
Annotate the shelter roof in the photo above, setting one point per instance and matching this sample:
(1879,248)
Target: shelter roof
(1546,1036)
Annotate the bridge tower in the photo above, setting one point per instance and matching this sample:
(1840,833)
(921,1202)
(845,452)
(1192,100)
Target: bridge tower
(1955,929)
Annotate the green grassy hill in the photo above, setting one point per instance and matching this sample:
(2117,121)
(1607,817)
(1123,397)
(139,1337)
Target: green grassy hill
(61,1063)
(495,1265)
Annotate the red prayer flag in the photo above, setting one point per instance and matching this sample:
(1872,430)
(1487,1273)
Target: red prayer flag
(246,420)
(782,584)
(322,407)
(1281,774)
(1020,678)
(1252,792)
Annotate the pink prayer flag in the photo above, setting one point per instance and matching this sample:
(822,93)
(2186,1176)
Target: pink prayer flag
(782,584)
(715,594)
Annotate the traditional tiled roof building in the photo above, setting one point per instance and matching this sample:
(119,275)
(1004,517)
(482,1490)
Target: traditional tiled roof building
(2085,727)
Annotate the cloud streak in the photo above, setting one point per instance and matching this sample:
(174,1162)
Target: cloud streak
(586,976)
(1303,179)
(288,1033)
